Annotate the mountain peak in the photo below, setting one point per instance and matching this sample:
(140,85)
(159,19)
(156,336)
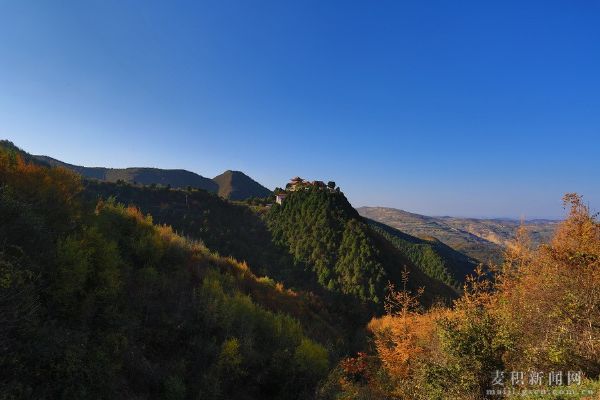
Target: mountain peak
(236,185)
(231,172)
(232,185)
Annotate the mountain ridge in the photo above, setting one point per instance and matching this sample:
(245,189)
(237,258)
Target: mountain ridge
(345,254)
(232,185)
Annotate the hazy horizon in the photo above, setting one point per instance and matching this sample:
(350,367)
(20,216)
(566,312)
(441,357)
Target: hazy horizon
(466,109)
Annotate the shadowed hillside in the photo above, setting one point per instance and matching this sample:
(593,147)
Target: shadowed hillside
(232,185)
(230,229)
(433,257)
(96,301)
(177,178)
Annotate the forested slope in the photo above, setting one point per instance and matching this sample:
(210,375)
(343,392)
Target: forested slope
(432,256)
(227,228)
(322,230)
(236,230)
(98,302)
(536,319)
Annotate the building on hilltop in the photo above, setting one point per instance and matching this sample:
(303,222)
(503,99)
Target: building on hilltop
(298,183)
(280,197)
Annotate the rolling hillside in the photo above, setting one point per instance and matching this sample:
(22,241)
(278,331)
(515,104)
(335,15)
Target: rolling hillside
(482,239)
(228,228)
(97,301)
(116,290)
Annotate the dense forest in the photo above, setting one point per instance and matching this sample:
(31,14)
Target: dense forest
(433,257)
(322,230)
(226,228)
(115,290)
(99,302)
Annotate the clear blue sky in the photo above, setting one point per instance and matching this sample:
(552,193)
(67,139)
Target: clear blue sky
(468,108)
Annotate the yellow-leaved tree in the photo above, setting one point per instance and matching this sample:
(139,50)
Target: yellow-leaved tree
(538,311)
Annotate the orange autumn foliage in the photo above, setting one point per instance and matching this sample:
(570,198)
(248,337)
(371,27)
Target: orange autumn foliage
(540,310)
(402,343)
(550,297)
(54,190)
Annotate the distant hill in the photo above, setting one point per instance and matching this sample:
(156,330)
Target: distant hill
(235,185)
(482,239)
(232,185)
(177,178)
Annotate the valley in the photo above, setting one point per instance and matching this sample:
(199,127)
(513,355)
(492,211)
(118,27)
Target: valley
(482,239)
(138,285)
